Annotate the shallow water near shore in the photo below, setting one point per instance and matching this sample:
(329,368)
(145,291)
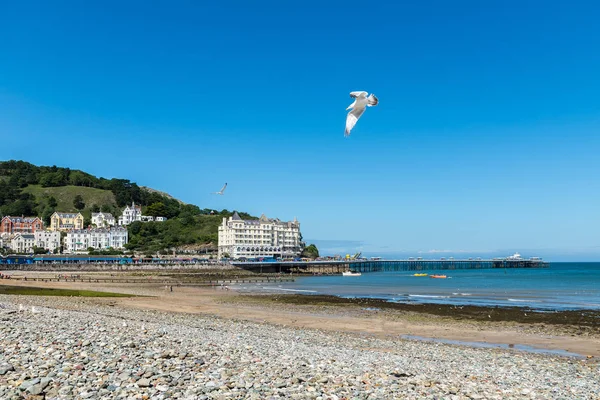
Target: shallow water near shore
(516,347)
(562,286)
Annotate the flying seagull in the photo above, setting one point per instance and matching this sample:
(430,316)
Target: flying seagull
(222,189)
(358,108)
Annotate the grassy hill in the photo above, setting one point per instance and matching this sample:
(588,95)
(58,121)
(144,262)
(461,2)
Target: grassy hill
(27,189)
(65,195)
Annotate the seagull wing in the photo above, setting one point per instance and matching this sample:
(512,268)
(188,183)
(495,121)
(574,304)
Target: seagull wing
(372,100)
(358,94)
(222,189)
(351,119)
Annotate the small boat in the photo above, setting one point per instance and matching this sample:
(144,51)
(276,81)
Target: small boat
(420,274)
(351,273)
(438,276)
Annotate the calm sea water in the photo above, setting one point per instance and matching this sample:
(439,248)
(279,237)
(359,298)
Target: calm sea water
(562,286)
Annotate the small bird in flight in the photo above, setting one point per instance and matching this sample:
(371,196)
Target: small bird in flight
(358,108)
(222,190)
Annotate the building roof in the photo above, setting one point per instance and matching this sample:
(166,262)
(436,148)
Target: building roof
(105,215)
(236,216)
(21,219)
(262,220)
(68,215)
(24,236)
(98,230)
(133,207)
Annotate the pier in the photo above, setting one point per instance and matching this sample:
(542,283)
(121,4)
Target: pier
(339,266)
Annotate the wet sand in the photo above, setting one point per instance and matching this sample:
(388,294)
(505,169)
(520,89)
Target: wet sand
(552,331)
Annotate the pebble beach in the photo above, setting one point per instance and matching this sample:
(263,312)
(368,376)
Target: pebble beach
(68,348)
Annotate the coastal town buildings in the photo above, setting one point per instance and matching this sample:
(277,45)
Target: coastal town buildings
(12,225)
(103,220)
(66,221)
(22,243)
(79,240)
(131,214)
(134,213)
(25,242)
(264,237)
(49,240)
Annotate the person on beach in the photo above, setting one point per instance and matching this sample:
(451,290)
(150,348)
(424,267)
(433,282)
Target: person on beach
(171,288)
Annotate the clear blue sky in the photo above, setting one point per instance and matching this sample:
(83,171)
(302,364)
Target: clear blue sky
(485,140)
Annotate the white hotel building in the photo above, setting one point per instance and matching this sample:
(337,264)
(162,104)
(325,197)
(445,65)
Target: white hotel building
(103,220)
(259,238)
(98,238)
(49,240)
(130,214)
(134,213)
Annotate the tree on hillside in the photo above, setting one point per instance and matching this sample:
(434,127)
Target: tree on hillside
(53,179)
(79,178)
(156,209)
(46,214)
(186,218)
(24,205)
(52,202)
(78,202)
(310,252)
(135,228)
(191,208)
(95,208)
(106,208)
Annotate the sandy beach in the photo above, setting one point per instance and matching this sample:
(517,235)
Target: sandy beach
(345,318)
(373,336)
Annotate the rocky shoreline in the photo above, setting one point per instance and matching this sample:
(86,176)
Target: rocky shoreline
(572,322)
(81,349)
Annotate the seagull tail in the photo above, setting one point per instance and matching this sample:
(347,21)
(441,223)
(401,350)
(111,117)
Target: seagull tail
(372,100)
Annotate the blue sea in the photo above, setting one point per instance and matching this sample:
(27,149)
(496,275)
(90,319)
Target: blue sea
(561,286)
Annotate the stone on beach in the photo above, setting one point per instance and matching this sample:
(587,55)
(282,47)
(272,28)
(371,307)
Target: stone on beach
(86,352)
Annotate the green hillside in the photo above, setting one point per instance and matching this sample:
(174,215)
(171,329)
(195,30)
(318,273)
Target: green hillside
(26,189)
(187,230)
(65,195)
